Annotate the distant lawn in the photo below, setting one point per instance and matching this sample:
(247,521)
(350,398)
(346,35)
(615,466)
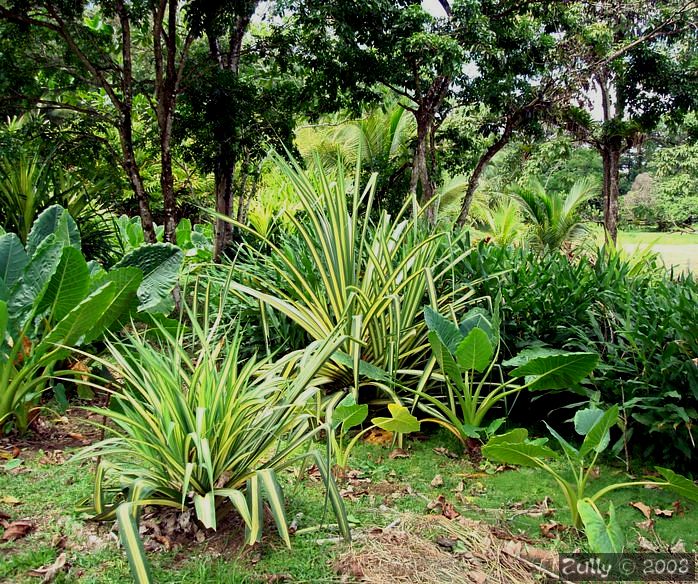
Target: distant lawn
(658,238)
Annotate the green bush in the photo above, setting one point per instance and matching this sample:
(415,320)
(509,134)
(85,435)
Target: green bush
(52,299)
(641,323)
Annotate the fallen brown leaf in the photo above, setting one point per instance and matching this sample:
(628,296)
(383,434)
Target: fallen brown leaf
(378,437)
(398,453)
(444,507)
(551,530)
(17,530)
(647,524)
(642,508)
(437,481)
(664,512)
(50,571)
(646,545)
(678,548)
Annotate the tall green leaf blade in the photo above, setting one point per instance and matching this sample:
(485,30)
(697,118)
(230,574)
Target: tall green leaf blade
(255,503)
(67,287)
(603,538)
(334,495)
(13,259)
(445,359)
(160,264)
(557,371)
(205,507)
(475,351)
(133,546)
(599,435)
(447,332)
(275,499)
(56,221)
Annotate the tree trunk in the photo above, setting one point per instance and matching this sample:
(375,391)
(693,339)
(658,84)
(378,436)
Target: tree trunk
(225,169)
(479,169)
(611,169)
(167,182)
(420,165)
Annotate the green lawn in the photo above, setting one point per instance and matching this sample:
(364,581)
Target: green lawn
(46,491)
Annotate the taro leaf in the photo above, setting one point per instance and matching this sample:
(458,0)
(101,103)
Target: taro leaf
(349,413)
(585,419)
(557,371)
(78,323)
(481,319)
(475,351)
(532,353)
(29,290)
(448,364)
(13,259)
(446,331)
(603,538)
(125,299)
(512,437)
(522,452)
(53,221)
(183,233)
(160,263)
(679,484)
(599,435)
(67,287)
(401,421)
(571,452)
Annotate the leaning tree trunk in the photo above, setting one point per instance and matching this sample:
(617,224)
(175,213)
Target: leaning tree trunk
(225,168)
(611,169)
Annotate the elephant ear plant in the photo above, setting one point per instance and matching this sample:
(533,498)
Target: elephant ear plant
(52,299)
(594,425)
(467,353)
(191,425)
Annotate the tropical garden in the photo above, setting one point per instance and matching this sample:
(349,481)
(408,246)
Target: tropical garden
(389,291)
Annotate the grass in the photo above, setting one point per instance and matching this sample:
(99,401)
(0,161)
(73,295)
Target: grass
(48,492)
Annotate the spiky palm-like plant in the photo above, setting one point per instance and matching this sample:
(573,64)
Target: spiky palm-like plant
(555,217)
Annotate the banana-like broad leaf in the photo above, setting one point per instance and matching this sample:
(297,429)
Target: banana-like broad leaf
(475,351)
(599,435)
(275,499)
(446,331)
(160,264)
(603,538)
(679,484)
(400,422)
(13,259)
(67,287)
(133,546)
(54,221)
(348,413)
(557,371)
(522,452)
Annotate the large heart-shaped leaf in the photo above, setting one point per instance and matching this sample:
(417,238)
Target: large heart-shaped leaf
(599,435)
(67,287)
(557,371)
(475,351)
(603,538)
(585,419)
(54,221)
(446,331)
(160,263)
(445,359)
(679,484)
(519,451)
(400,422)
(13,259)
(478,318)
(348,413)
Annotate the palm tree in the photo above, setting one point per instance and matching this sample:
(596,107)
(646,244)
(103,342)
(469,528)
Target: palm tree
(555,217)
(502,223)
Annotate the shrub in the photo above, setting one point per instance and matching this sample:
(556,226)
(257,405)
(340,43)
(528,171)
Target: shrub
(194,426)
(52,299)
